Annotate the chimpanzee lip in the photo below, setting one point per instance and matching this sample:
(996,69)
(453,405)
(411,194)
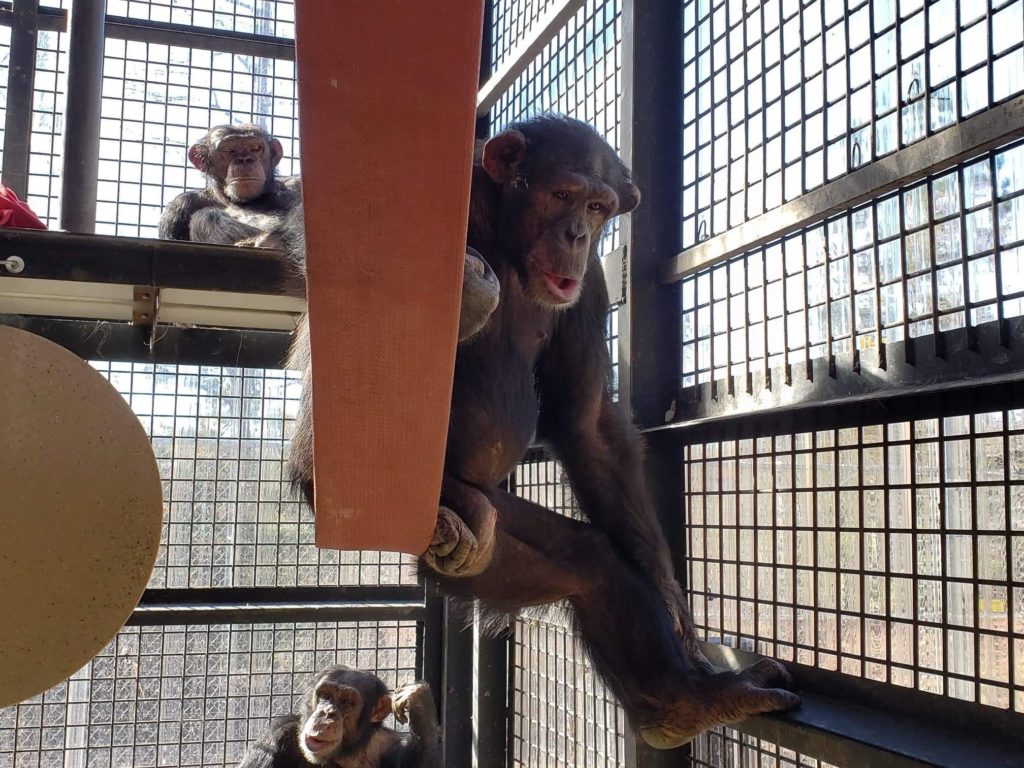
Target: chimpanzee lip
(560,286)
(314,744)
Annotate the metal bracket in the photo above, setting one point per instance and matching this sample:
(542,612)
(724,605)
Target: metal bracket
(146,308)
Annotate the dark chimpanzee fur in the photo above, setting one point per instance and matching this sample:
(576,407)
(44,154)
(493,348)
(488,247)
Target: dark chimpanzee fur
(244,199)
(542,192)
(339,724)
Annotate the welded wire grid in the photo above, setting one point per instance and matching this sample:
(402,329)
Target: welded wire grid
(158,100)
(562,715)
(5,61)
(783,96)
(511,22)
(46,143)
(940,254)
(893,552)
(275,18)
(231,517)
(726,748)
(191,695)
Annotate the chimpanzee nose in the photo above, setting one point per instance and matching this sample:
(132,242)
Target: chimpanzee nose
(575,232)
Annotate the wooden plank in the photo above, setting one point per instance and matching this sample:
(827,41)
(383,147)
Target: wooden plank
(387,93)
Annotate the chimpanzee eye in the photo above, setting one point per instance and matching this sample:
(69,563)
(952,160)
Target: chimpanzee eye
(562,194)
(596,206)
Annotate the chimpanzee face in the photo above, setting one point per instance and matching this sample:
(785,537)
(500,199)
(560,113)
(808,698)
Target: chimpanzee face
(339,713)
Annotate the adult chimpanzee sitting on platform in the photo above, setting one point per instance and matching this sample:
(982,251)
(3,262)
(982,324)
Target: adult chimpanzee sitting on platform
(542,192)
(244,199)
(340,724)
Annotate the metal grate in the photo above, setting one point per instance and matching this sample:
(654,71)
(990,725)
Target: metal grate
(512,20)
(157,101)
(46,144)
(191,695)
(893,552)
(726,748)
(781,97)
(941,254)
(562,715)
(5,60)
(275,18)
(220,437)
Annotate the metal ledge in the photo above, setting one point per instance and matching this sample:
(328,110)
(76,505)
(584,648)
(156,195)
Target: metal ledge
(265,605)
(186,36)
(541,32)
(144,261)
(988,130)
(926,373)
(856,722)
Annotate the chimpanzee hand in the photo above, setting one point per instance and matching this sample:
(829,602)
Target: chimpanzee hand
(457,550)
(480,293)
(408,698)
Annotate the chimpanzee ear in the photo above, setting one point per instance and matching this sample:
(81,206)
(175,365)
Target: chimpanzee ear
(276,152)
(382,710)
(199,156)
(629,197)
(502,156)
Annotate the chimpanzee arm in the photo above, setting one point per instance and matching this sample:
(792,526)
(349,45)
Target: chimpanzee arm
(422,747)
(277,748)
(176,217)
(595,442)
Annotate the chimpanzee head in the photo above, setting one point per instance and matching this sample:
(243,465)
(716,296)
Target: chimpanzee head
(340,713)
(239,160)
(561,183)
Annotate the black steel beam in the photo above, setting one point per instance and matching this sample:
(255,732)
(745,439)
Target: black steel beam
(846,720)
(276,604)
(492,700)
(79,181)
(974,367)
(185,36)
(457,686)
(48,20)
(430,647)
(24,20)
(992,128)
(157,263)
(649,319)
(173,345)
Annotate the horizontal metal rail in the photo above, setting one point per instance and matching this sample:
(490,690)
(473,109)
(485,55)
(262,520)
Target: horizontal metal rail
(157,263)
(541,32)
(852,721)
(264,605)
(47,20)
(980,364)
(988,130)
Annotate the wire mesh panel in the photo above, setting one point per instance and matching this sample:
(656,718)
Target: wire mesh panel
(157,101)
(782,96)
(562,715)
(46,143)
(5,60)
(275,18)
(893,552)
(191,695)
(232,519)
(726,748)
(511,22)
(941,254)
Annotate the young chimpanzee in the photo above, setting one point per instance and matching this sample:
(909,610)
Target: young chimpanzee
(339,724)
(244,199)
(542,192)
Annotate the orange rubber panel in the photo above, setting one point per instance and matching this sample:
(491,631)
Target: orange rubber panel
(387,93)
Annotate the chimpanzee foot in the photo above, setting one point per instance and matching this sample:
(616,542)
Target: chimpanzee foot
(457,550)
(727,697)
(480,294)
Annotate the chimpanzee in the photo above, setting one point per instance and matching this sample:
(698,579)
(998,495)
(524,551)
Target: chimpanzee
(339,724)
(243,200)
(542,192)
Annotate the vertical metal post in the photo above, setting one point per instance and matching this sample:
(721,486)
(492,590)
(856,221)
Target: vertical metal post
(649,323)
(492,713)
(430,645)
(457,720)
(20,84)
(82,122)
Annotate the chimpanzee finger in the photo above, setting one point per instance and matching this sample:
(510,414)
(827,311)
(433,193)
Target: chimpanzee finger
(768,673)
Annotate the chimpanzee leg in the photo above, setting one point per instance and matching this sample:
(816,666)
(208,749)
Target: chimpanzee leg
(542,557)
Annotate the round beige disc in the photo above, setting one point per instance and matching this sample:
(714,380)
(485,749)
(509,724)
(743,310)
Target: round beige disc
(80,513)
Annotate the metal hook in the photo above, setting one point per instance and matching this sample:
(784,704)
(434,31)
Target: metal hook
(14,264)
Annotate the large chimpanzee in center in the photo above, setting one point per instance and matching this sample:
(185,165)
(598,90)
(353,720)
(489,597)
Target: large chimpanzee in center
(542,192)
